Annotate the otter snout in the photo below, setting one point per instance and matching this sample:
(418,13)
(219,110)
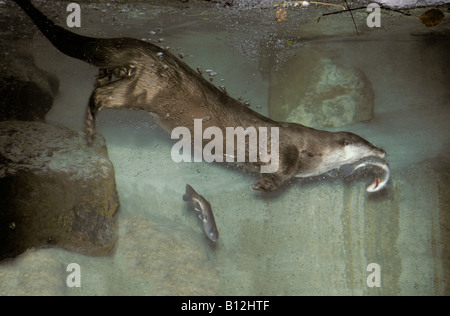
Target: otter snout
(357,147)
(379,152)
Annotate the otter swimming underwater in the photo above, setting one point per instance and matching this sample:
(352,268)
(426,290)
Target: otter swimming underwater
(138,75)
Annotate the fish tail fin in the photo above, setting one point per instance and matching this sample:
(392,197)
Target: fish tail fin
(189,192)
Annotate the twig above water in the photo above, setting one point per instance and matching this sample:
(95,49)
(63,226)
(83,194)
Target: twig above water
(351,13)
(345,10)
(348,9)
(359,8)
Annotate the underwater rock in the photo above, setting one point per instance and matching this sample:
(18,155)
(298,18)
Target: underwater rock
(33,273)
(155,256)
(55,191)
(314,91)
(163,257)
(26,91)
(432,17)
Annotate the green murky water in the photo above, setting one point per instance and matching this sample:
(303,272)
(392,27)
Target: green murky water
(316,237)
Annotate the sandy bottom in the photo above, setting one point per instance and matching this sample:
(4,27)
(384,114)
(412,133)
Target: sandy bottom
(316,237)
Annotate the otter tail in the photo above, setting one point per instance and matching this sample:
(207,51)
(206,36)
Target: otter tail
(85,48)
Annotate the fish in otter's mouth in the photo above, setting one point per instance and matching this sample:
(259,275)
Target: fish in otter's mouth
(382,171)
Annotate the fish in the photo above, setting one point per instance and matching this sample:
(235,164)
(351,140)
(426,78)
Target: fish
(379,182)
(204,208)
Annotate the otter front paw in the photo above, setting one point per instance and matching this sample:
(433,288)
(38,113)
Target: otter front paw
(265,185)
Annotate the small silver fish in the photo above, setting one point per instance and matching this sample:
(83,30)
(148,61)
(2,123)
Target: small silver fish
(204,208)
(379,182)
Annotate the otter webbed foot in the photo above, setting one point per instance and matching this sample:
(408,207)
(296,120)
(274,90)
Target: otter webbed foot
(267,183)
(263,186)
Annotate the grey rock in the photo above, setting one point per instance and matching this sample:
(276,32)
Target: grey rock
(55,191)
(154,256)
(314,91)
(26,91)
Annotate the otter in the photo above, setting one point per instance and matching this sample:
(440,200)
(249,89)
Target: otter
(139,75)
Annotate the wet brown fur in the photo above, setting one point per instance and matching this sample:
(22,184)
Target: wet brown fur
(138,75)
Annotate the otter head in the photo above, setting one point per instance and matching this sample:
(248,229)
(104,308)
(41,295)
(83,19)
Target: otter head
(343,148)
(348,149)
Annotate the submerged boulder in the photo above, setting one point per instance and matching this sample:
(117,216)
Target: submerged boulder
(432,17)
(314,91)
(55,191)
(26,91)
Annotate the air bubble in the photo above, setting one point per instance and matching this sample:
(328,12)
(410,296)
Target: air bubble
(224,90)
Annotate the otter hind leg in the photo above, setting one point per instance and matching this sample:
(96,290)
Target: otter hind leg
(108,75)
(104,77)
(115,94)
(108,94)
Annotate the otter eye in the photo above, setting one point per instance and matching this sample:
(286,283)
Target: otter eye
(347,142)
